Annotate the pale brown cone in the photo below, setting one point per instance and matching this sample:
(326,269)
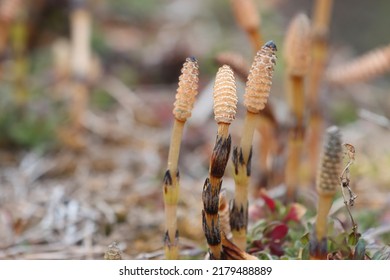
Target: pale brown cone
(369,66)
(328,177)
(259,81)
(187,90)
(246,14)
(225,97)
(297,51)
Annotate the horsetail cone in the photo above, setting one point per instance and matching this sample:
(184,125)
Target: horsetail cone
(187,90)
(331,161)
(297,46)
(225,97)
(328,177)
(246,15)
(362,69)
(259,81)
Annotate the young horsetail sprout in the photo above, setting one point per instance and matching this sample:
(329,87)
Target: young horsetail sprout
(328,181)
(185,98)
(225,107)
(369,66)
(321,20)
(249,20)
(256,95)
(297,56)
(80,59)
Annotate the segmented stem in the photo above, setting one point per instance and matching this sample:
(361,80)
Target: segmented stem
(321,21)
(256,95)
(225,107)
(297,56)
(328,181)
(185,98)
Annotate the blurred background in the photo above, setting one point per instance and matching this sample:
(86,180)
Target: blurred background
(86,97)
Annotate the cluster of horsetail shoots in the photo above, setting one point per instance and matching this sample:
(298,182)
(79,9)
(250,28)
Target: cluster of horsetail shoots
(321,20)
(371,65)
(185,98)
(225,106)
(328,180)
(248,19)
(297,56)
(256,95)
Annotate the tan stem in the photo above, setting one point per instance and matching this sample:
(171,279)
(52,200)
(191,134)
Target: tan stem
(81,34)
(297,98)
(314,135)
(324,205)
(250,123)
(292,167)
(266,129)
(239,238)
(171,191)
(322,14)
(242,178)
(171,225)
(174,148)
(255,39)
(216,250)
(79,104)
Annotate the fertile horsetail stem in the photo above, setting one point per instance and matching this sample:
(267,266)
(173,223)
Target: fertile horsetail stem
(256,95)
(225,107)
(185,98)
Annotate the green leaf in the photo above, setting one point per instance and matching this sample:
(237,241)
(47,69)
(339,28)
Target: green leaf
(353,238)
(360,250)
(305,239)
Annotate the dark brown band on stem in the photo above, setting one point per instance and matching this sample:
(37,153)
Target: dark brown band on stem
(210,197)
(249,163)
(167,178)
(220,156)
(213,234)
(238,158)
(168,242)
(238,216)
